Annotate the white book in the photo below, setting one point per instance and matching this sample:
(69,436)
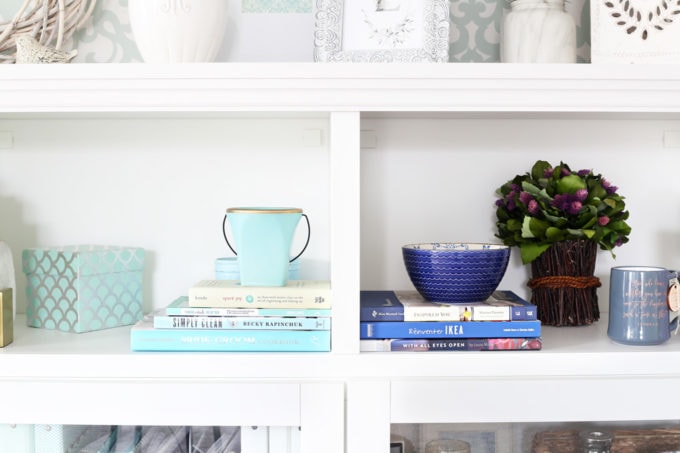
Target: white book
(230,293)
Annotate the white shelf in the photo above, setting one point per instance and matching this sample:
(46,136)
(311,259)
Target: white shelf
(316,87)
(72,370)
(577,352)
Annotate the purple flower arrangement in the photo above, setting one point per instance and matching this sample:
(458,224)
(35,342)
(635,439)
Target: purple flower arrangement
(553,204)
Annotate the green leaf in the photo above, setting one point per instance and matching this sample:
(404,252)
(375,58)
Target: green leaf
(590,223)
(537,192)
(533,227)
(555,234)
(620,227)
(576,233)
(539,169)
(514,225)
(610,202)
(597,191)
(531,251)
(526,228)
(570,184)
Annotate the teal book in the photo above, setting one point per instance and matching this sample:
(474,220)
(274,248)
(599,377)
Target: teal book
(450,329)
(144,337)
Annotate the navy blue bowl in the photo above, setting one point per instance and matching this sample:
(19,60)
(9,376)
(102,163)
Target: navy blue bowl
(449,272)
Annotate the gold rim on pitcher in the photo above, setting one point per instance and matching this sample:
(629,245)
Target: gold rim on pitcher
(264,211)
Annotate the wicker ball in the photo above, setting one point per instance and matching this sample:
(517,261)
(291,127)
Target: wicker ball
(50,22)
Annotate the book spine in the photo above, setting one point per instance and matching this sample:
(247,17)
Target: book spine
(240,322)
(280,312)
(458,344)
(495,329)
(408,306)
(259,297)
(523,314)
(230,340)
(435,313)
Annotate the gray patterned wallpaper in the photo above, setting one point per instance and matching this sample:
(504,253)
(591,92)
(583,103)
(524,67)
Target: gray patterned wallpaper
(474,33)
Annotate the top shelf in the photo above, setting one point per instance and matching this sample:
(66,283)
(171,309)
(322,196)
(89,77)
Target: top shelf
(328,87)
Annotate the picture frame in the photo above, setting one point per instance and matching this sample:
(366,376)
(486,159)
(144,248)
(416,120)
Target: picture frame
(635,32)
(381,31)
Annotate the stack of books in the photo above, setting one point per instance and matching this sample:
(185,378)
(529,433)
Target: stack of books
(405,321)
(222,315)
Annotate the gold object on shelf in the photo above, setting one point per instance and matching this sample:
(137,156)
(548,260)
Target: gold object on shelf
(6,317)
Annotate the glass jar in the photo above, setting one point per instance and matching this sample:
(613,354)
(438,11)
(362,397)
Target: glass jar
(538,31)
(447,446)
(596,442)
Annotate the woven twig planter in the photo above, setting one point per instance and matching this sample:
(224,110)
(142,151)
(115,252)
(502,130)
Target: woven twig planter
(563,286)
(51,22)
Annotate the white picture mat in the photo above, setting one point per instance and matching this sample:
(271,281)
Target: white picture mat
(365,28)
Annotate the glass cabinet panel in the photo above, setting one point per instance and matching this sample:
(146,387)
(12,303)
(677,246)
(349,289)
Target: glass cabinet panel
(555,437)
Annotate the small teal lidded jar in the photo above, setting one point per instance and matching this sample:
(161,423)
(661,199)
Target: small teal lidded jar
(227,269)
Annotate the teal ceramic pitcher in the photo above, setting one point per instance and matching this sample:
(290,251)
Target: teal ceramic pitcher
(262,240)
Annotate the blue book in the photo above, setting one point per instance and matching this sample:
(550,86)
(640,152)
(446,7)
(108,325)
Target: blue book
(144,337)
(450,329)
(409,305)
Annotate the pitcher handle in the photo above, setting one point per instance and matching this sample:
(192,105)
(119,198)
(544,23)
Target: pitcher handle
(309,234)
(224,233)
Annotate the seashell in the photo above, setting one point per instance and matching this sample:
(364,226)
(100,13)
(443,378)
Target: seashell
(29,50)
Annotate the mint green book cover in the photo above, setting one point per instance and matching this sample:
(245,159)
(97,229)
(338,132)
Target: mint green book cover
(144,337)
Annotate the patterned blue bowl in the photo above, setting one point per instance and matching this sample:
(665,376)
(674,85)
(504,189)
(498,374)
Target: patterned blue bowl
(450,272)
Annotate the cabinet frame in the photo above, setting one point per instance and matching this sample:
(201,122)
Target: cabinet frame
(363,392)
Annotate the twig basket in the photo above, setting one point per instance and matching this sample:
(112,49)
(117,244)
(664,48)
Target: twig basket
(51,22)
(563,286)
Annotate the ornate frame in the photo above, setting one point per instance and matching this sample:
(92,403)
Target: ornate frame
(328,33)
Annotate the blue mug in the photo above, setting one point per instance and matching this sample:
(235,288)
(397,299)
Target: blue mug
(639,311)
(263,238)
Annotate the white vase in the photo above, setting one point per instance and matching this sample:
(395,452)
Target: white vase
(178,31)
(538,31)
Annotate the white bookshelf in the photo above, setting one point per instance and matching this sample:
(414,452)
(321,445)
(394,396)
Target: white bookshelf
(177,134)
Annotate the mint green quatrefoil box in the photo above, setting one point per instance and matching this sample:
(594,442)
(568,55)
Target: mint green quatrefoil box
(83,288)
